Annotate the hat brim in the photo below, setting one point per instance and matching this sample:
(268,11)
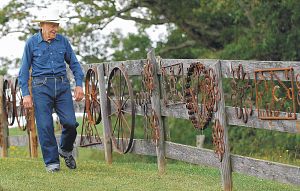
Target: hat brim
(62,20)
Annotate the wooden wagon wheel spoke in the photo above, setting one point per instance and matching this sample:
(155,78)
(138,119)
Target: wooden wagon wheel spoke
(124,103)
(125,121)
(116,122)
(114,101)
(112,114)
(125,111)
(121,121)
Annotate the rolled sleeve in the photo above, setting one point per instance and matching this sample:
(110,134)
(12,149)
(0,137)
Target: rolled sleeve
(74,64)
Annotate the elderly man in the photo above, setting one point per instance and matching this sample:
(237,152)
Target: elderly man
(46,53)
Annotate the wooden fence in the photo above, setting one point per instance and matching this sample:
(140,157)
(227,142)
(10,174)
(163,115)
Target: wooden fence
(225,114)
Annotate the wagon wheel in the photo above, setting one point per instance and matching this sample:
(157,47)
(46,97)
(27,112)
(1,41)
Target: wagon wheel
(19,108)
(8,101)
(121,110)
(93,109)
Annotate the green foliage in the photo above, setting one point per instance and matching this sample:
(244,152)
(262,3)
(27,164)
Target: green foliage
(3,71)
(272,33)
(131,47)
(260,30)
(265,144)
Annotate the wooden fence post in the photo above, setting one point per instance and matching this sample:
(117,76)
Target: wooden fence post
(220,115)
(167,132)
(32,130)
(155,103)
(104,115)
(3,123)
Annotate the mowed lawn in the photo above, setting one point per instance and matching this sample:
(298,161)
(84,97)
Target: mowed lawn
(124,174)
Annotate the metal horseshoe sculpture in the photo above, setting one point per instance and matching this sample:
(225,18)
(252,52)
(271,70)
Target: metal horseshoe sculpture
(201,94)
(268,84)
(241,88)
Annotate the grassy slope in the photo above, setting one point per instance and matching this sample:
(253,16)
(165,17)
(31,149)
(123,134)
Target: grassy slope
(29,174)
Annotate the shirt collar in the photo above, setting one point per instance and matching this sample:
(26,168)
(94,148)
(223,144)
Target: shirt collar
(40,37)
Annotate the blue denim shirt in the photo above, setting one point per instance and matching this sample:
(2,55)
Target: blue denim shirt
(48,59)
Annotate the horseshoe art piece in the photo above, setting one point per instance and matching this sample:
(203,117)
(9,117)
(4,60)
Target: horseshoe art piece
(275,99)
(241,93)
(218,139)
(201,94)
(173,84)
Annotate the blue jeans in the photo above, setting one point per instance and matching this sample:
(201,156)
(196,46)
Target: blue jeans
(54,93)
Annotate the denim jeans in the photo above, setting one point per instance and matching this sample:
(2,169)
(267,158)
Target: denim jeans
(53,93)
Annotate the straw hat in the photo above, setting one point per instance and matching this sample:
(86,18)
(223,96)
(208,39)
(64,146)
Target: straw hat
(49,15)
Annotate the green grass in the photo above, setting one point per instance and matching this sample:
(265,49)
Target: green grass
(128,172)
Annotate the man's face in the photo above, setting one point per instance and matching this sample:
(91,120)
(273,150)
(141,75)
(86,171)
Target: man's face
(49,30)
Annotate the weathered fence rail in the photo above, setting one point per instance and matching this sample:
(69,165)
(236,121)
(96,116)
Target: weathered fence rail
(163,148)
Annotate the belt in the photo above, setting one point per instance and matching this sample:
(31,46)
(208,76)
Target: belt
(50,77)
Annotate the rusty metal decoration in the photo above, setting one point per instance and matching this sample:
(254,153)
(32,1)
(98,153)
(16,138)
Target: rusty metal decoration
(92,111)
(241,88)
(89,133)
(298,88)
(150,122)
(154,127)
(173,84)
(121,109)
(8,102)
(201,94)
(218,139)
(268,84)
(147,74)
(143,99)
(20,112)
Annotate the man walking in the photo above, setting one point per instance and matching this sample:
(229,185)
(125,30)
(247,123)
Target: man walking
(45,54)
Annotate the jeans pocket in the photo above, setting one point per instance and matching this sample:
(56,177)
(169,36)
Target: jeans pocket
(38,82)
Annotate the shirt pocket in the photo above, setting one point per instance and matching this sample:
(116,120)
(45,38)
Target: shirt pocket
(39,56)
(60,55)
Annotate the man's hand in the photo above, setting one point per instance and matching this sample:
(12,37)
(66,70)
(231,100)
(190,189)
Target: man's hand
(27,102)
(78,93)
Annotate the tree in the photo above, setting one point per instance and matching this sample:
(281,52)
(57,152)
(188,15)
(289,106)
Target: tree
(264,30)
